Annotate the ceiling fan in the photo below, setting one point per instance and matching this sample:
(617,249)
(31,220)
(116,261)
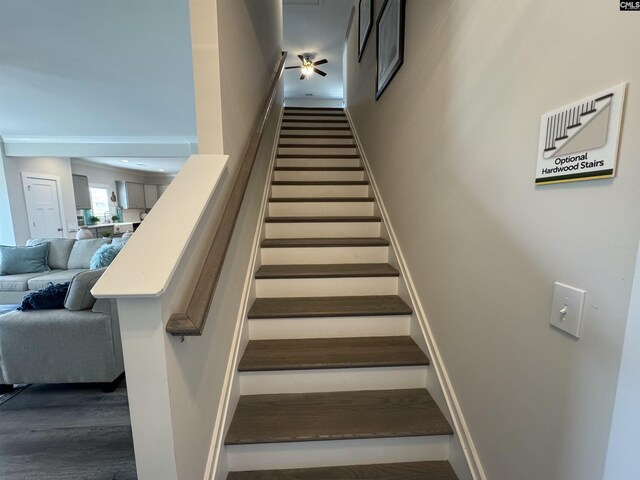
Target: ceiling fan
(308,67)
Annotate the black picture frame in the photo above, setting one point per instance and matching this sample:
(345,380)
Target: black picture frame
(366,7)
(391,18)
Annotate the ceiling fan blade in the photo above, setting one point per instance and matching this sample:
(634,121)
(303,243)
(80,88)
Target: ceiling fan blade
(321,62)
(303,76)
(287,68)
(301,58)
(319,72)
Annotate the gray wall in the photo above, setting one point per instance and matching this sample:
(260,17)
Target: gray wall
(453,144)
(96,68)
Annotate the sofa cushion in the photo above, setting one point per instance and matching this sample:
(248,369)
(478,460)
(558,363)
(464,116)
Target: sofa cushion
(59,276)
(79,295)
(17,283)
(83,251)
(104,256)
(48,298)
(59,250)
(119,241)
(24,259)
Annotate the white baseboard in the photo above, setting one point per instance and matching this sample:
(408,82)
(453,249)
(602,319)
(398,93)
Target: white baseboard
(459,423)
(231,381)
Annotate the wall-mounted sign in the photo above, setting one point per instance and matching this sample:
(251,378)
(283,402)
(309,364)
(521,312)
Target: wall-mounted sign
(580,141)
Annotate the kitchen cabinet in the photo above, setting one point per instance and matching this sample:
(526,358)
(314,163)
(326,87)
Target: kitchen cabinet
(81,192)
(130,194)
(150,195)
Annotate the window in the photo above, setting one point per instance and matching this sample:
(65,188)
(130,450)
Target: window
(99,201)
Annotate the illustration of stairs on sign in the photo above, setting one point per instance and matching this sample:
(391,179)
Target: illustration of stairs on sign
(577,129)
(332,384)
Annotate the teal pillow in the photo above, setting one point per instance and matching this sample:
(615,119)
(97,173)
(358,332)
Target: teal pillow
(15,260)
(104,256)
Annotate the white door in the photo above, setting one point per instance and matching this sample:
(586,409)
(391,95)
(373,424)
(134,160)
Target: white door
(43,207)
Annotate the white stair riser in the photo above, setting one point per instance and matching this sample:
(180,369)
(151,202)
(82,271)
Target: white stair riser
(343,140)
(317,131)
(329,327)
(313,116)
(319,175)
(336,452)
(322,230)
(326,287)
(346,150)
(318,162)
(312,110)
(332,380)
(320,190)
(323,255)
(319,209)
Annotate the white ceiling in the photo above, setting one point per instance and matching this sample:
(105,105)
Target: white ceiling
(161,165)
(317,28)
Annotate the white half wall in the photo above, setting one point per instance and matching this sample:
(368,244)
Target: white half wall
(452,143)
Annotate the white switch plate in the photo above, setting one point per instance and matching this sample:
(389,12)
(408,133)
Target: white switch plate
(567,308)
(72,227)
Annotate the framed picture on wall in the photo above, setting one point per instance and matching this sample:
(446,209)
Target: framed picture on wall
(389,43)
(365,22)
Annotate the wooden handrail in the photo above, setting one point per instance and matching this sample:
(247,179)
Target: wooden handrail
(192,321)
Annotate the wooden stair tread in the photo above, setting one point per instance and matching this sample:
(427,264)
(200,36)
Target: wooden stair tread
(315,108)
(341,270)
(321,199)
(324,242)
(287,127)
(318,120)
(319,169)
(324,219)
(334,416)
(315,145)
(320,182)
(433,470)
(325,353)
(317,136)
(314,114)
(318,155)
(305,307)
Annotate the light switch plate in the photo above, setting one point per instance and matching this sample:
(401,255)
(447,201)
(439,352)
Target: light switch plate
(568,308)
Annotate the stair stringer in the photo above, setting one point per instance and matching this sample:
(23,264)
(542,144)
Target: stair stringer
(463,454)
(216,468)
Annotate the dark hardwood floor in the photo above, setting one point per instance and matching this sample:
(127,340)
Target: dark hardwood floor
(70,432)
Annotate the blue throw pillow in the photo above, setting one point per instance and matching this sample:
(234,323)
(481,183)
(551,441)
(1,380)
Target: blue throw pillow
(47,298)
(104,256)
(15,260)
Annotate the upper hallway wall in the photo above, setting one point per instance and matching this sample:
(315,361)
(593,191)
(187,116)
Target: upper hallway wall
(250,39)
(76,68)
(452,143)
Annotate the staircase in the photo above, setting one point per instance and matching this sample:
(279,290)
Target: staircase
(332,384)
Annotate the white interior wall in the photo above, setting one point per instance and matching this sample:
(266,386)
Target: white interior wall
(96,68)
(622,458)
(7,236)
(197,368)
(55,166)
(248,29)
(452,143)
